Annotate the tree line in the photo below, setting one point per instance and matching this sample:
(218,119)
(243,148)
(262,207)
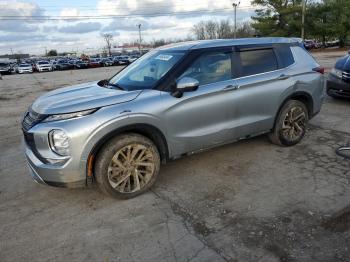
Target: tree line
(325,20)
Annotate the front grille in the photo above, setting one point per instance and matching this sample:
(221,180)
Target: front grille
(30,142)
(346,76)
(30,119)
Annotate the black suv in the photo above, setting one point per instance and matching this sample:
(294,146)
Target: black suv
(338,83)
(5,68)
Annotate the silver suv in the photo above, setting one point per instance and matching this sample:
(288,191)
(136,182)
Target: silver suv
(173,101)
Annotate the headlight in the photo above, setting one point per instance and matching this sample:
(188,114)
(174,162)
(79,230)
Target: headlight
(336,72)
(69,115)
(59,142)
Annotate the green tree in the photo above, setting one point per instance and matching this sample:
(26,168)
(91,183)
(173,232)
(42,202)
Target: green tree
(277,17)
(52,52)
(325,19)
(340,18)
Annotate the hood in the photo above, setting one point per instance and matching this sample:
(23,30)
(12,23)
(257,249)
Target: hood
(81,97)
(343,63)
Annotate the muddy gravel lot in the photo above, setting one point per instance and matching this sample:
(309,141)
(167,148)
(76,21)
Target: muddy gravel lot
(248,201)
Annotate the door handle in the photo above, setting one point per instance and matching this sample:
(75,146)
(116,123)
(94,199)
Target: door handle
(231,87)
(283,77)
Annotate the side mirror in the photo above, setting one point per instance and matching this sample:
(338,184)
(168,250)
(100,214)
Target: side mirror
(102,82)
(187,84)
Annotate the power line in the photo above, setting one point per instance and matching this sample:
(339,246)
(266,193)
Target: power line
(18,18)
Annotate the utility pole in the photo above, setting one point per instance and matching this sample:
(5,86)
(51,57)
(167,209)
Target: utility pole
(139,26)
(303,19)
(235,25)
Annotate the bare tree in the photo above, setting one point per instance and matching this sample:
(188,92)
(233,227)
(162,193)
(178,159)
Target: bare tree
(245,30)
(199,30)
(212,29)
(225,29)
(108,39)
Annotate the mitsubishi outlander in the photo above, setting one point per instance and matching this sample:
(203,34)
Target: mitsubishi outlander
(175,100)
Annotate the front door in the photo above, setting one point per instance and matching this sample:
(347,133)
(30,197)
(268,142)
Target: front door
(198,119)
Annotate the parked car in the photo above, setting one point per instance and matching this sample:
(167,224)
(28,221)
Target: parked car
(309,44)
(42,66)
(133,58)
(63,65)
(338,82)
(94,62)
(5,68)
(121,60)
(24,68)
(173,101)
(78,64)
(106,62)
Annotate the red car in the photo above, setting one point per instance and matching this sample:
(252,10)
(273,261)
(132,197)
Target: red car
(94,63)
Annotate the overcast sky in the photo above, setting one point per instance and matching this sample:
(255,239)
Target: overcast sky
(33,36)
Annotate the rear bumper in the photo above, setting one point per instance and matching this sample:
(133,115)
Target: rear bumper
(338,87)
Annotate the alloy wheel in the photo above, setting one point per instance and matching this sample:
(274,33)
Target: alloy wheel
(131,168)
(294,124)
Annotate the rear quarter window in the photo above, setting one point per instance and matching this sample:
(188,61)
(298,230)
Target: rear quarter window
(285,56)
(256,61)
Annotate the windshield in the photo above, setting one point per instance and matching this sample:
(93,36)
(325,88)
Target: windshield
(4,64)
(24,65)
(146,71)
(43,63)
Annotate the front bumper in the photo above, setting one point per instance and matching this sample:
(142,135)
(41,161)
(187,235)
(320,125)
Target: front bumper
(67,175)
(44,69)
(338,87)
(21,71)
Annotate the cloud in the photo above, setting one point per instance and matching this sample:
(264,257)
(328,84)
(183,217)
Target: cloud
(69,12)
(81,28)
(131,24)
(21,38)
(127,7)
(20,9)
(16,26)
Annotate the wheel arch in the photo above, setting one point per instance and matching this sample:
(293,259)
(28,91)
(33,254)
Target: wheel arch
(301,96)
(147,130)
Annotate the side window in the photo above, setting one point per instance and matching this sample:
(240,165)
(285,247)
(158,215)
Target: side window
(285,55)
(257,61)
(210,68)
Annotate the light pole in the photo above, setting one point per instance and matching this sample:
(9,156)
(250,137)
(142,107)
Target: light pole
(303,19)
(235,25)
(139,26)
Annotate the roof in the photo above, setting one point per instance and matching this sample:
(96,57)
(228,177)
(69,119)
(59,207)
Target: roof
(229,42)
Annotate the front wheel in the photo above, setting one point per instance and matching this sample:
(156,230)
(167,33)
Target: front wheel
(290,126)
(127,166)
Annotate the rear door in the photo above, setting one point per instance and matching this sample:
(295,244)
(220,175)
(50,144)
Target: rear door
(261,80)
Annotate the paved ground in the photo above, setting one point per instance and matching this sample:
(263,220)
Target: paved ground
(248,201)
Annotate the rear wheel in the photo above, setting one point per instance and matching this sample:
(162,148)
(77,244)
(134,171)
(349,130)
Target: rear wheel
(127,166)
(290,126)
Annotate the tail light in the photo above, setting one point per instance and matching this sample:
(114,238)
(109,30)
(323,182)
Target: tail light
(319,70)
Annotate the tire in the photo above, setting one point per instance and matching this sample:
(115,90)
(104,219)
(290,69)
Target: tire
(118,174)
(290,125)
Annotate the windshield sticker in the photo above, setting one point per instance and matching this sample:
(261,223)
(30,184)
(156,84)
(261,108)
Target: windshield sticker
(164,57)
